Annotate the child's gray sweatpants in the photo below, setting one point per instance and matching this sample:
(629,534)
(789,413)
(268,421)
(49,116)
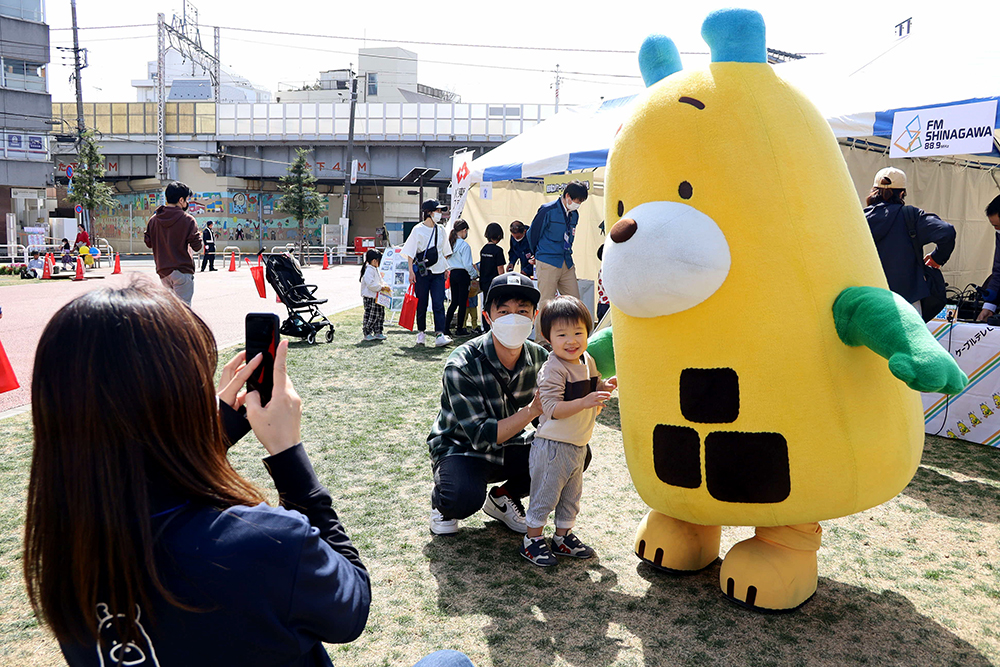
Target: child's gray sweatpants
(556,482)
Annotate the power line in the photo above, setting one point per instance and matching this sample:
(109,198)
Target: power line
(395,41)
(437,62)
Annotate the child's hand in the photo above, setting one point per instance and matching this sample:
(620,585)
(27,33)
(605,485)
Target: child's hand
(595,399)
(611,383)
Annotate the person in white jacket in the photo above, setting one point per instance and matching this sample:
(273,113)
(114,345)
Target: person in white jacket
(371,285)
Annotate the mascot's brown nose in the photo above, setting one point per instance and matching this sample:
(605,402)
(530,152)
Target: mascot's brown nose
(623,230)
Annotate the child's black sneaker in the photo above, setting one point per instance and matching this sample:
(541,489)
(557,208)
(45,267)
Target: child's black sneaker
(570,545)
(537,551)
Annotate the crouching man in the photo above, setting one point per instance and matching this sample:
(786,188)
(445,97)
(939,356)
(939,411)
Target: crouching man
(483,432)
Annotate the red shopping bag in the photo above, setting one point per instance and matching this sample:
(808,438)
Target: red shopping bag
(7,380)
(408,313)
(257,272)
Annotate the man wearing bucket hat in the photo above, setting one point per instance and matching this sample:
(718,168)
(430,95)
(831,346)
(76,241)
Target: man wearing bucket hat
(482,434)
(900,232)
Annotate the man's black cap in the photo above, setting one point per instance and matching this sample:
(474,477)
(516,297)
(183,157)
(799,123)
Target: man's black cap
(512,286)
(432,205)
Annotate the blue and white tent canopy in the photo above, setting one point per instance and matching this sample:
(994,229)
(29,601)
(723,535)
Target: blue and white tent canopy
(858,94)
(575,138)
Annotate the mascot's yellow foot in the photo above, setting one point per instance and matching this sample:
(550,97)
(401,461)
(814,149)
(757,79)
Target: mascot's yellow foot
(675,545)
(775,570)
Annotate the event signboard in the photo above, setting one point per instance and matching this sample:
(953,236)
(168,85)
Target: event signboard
(461,180)
(974,414)
(957,129)
(556,183)
(395,270)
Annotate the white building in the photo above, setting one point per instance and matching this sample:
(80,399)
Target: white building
(194,82)
(387,75)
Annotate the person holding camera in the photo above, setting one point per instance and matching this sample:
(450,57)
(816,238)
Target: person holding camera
(427,251)
(143,546)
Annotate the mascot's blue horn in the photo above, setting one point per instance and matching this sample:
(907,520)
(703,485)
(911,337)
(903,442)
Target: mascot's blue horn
(658,59)
(735,36)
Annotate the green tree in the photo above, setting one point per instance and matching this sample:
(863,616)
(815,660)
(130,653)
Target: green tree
(300,199)
(88,188)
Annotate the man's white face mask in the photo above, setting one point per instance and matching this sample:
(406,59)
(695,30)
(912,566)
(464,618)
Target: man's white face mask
(572,205)
(511,330)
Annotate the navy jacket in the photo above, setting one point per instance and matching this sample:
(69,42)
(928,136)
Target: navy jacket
(272,583)
(547,234)
(903,270)
(993,284)
(520,251)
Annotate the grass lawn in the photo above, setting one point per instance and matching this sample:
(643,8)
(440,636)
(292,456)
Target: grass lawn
(915,581)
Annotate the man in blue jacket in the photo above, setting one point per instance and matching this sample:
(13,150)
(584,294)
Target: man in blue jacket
(993,284)
(551,238)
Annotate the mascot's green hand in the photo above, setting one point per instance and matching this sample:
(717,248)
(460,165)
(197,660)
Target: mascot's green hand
(602,348)
(936,372)
(886,324)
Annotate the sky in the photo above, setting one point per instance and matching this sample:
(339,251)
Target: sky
(469,64)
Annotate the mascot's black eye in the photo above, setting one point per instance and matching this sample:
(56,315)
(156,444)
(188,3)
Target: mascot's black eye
(621,209)
(685,190)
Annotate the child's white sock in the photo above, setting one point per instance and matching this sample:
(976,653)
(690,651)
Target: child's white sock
(529,540)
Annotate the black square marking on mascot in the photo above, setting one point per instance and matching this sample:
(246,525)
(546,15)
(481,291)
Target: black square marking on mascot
(710,395)
(747,467)
(677,455)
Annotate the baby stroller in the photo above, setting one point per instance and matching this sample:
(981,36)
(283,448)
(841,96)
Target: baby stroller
(304,317)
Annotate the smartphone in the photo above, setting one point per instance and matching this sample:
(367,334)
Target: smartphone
(262,337)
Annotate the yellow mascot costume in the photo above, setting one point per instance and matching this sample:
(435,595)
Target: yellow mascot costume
(751,323)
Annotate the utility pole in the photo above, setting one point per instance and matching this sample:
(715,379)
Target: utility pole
(558,81)
(80,126)
(350,155)
(161,97)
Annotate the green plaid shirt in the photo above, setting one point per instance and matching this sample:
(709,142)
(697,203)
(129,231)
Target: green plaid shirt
(472,402)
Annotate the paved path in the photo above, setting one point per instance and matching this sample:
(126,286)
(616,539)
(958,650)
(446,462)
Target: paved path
(222,299)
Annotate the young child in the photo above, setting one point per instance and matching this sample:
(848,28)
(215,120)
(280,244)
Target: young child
(572,395)
(491,261)
(371,285)
(67,255)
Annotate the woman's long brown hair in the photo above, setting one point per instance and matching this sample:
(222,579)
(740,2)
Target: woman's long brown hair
(122,402)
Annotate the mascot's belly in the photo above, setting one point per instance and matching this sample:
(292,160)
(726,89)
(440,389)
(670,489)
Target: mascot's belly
(782,426)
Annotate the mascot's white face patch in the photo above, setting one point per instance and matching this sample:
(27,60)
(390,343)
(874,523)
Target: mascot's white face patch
(675,258)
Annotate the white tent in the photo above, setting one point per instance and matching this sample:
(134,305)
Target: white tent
(858,94)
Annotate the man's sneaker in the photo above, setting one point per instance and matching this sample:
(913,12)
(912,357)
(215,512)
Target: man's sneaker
(371,337)
(537,551)
(442,340)
(570,545)
(441,525)
(421,338)
(379,336)
(506,509)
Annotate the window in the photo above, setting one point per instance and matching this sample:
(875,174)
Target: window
(372,84)
(22,75)
(29,10)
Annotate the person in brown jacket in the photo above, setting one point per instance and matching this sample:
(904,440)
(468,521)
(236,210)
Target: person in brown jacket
(170,233)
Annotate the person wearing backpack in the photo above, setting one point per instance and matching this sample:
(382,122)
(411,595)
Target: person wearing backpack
(900,233)
(427,251)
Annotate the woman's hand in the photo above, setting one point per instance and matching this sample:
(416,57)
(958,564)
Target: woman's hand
(234,375)
(277,425)
(413,277)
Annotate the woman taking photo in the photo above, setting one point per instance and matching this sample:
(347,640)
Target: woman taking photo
(143,546)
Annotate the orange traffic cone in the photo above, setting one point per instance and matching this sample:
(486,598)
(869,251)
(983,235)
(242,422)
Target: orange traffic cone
(47,271)
(232,261)
(118,264)
(326,261)
(79,269)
